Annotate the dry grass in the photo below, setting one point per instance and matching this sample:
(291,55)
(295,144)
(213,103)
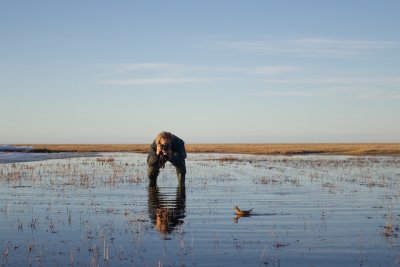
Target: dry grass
(141,148)
(260,149)
(105,160)
(290,149)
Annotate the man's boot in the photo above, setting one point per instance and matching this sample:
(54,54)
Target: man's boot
(152,182)
(181,179)
(152,174)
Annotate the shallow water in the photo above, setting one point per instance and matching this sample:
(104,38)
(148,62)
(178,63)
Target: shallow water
(308,211)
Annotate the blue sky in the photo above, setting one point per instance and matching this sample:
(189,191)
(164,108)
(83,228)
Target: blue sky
(208,71)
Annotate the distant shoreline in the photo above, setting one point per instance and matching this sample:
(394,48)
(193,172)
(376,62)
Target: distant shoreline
(257,149)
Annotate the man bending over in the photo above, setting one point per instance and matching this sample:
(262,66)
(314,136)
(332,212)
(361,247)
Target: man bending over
(166,147)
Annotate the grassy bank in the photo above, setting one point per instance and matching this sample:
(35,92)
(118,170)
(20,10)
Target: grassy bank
(260,149)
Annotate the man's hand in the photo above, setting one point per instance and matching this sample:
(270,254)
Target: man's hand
(159,150)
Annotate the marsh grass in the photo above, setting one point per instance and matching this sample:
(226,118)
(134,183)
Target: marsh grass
(267,180)
(106,159)
(390,228)
(277,180)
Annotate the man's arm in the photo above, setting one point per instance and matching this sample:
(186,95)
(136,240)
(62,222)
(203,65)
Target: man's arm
(179,152)
(152,157)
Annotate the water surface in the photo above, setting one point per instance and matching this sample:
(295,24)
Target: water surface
(307,211)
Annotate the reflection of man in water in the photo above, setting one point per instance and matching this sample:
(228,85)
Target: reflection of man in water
(166,213)
(166,147)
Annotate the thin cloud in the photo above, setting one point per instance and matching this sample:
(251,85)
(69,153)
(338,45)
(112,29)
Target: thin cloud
(181,68)
(268,70)
(352,87)
(362,93)
(274,70)
(288,93)
(166,73)
(147,66)
(367,81)
(359,93)
(309,47)
(154,81)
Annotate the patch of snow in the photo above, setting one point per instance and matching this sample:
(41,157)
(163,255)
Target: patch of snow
(12,157)
(15,148)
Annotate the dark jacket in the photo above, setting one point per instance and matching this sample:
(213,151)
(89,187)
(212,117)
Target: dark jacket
(177,148)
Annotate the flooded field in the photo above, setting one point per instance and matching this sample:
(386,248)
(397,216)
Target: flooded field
(99,211)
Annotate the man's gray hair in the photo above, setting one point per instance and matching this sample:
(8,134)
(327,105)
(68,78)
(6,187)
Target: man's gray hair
(163,135)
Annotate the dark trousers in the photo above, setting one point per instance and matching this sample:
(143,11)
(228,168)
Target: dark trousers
(154,170)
